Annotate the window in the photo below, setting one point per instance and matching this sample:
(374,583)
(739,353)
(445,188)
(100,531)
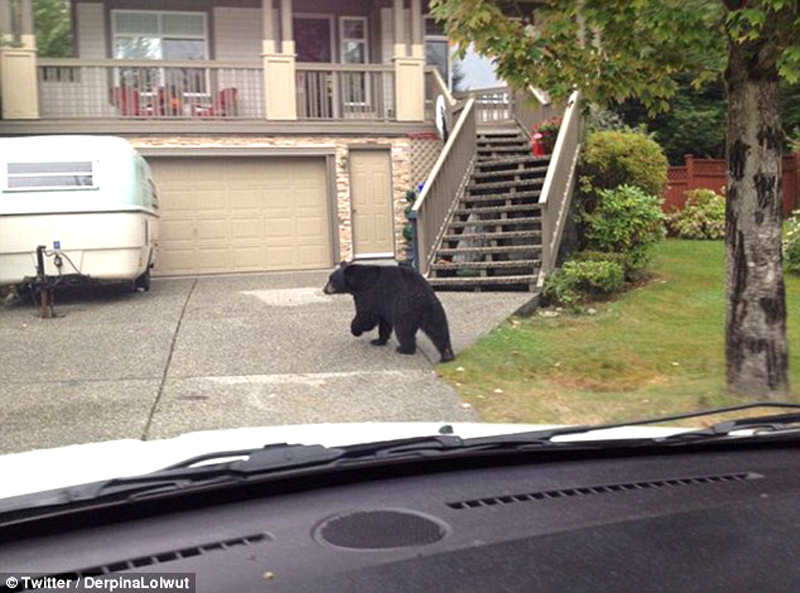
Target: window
(140,35)
(143,35)
(353,35)
(354,40)
(49,176)
(437,50)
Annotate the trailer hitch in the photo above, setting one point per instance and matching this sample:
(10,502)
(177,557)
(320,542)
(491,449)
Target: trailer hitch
(43,286)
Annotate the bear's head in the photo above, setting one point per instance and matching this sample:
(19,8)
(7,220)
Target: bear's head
(351,278)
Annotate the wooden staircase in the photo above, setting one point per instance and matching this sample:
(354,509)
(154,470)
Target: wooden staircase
(493,236)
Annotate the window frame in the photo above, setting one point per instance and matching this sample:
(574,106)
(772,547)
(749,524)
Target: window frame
(366,83)
(7,176)
(364,40)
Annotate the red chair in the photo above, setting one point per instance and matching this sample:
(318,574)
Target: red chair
(128,100)
(223,106)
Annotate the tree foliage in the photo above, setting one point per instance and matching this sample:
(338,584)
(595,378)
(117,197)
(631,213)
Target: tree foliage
(53,28)
(633,48)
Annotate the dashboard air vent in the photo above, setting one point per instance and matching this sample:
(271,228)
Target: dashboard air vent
(602,489)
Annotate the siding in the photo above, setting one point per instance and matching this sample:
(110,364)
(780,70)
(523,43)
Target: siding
(91,30)
(237,33)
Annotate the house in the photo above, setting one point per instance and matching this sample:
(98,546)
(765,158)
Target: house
(282,134)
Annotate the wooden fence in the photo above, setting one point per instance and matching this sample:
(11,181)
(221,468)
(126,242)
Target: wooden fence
(711,174)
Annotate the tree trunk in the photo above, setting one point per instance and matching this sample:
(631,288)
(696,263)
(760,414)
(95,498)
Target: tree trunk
(756,349)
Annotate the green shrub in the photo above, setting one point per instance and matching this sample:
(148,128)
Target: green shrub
(613,158)
(703,217)
(578,282)
(791,243)
(628,221)
(632,272)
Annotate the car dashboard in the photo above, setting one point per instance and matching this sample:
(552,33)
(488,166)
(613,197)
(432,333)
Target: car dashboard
(697,518)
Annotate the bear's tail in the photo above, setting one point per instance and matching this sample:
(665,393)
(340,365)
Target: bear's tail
(434,324)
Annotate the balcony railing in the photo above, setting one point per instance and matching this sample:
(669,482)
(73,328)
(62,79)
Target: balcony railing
(504,105)
(345,91)
(150,89)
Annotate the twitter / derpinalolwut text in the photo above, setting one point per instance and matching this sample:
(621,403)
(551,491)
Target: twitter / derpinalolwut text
(107,583)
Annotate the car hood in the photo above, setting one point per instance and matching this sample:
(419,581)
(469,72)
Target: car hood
(47,469)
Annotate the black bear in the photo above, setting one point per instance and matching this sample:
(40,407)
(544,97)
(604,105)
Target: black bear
(393,297)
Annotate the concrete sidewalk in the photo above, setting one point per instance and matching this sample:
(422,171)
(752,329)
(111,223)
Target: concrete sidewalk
(217,352)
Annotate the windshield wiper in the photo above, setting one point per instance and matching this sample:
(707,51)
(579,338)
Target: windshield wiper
(284,459)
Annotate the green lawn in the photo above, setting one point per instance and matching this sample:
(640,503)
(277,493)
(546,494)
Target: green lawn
(657,349)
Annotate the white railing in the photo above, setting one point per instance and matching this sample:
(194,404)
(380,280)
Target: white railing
(150,89)
(351,91)
(556,192)
(493,105)
(445,185)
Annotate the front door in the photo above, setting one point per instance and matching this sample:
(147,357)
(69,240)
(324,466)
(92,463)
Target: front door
(371,194)
(312,39)
(313,43)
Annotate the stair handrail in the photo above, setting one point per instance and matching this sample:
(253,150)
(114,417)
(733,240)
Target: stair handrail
(527,116)
(440,83)
(556,194)
(444,187)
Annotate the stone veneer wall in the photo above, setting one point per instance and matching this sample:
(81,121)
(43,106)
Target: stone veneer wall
(402,176)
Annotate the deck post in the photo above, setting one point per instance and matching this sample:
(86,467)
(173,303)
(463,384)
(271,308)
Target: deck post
(280,99)
(19,93)
(409,72)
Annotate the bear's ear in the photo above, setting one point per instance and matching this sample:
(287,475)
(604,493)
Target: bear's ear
(359,278)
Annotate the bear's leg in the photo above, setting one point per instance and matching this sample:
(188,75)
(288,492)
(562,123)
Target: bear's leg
(434,325)
(363,322)
(384,331)
(406,335)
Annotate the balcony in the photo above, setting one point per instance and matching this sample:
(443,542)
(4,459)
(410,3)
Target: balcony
(142,90)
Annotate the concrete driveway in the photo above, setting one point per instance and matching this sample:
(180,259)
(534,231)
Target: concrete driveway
(216,352)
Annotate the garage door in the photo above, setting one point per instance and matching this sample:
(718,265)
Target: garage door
(241,214)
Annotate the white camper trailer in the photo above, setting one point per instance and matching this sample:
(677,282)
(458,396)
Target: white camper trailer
(89,200)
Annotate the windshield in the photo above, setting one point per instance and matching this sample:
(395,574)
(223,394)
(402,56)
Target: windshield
(315,232)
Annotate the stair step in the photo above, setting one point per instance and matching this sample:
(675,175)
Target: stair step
(494,222)
(481,281)
(503,149)
(500,132)
(490,250)
(495,236)
(506,184)
(485,265)
(501,197)
(510,142)
(511,172)
(488,209)
(513,160)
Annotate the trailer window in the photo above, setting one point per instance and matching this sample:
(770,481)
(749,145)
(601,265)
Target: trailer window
(44,176)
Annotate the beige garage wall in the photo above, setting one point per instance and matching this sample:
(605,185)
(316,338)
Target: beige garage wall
(402,176)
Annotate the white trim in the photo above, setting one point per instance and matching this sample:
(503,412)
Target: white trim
(387,255)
